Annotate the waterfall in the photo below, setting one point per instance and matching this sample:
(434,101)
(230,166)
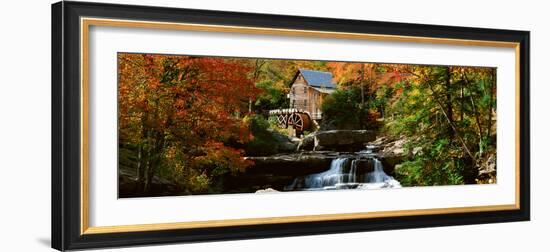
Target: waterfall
(378,175)
(333,176)
(343,174)
(352,176)
(378,178)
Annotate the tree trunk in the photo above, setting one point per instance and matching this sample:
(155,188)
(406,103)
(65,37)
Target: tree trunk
(155,141)
(147,163)
(140,165)
(154,160)
(449,101)
(462,101)
(142,156)
(450,121)
(477,119)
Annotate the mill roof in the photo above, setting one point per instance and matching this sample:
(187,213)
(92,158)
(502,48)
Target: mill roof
(317,78)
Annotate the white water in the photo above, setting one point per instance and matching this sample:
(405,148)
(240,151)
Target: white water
(352,176)
(336,177)
(378,175)
(333,176)
(378,178)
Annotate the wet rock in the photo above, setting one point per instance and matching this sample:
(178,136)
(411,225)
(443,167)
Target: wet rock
(417,150)
(267,190)
(287,147)
(487,171)
(284,143)
(307,143)
(342,140)
(391,183)
(295,164)
(364,165)
(280,170)
(390,162)
(269,143)
(342,186)
(392,152)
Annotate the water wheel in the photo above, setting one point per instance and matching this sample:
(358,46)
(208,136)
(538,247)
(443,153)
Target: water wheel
(299,121)
(282,120)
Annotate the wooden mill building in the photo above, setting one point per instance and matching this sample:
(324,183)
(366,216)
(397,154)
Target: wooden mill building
(308,90)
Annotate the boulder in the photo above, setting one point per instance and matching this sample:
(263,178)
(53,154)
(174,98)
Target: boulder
(284,143)
(270,142)
(286,147)
(307,143)
(296,164)
(391,152)
(487,171)
(267,190)
(342,140)
(364,166)
(280,170)
(390,163)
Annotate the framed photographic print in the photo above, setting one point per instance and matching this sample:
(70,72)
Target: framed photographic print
(180,125)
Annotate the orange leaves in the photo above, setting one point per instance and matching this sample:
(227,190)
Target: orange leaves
(220,159)
(372,75)
(345,72)
(193,101)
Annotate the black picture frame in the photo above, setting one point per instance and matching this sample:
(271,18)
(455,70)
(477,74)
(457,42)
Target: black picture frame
(66,125)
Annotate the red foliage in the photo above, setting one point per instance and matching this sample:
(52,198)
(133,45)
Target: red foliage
(194,102)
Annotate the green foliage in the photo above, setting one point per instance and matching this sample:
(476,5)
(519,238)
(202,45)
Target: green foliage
(198,184)
(342,110)
(446,115)
(273,78)
(264,141)
(432,166)
(274,127)
(381,99)
(181,118)
(272,96)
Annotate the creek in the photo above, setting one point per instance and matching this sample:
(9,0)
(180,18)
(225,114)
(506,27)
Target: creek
(362,170)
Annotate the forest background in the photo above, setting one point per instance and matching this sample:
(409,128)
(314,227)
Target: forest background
(192,120)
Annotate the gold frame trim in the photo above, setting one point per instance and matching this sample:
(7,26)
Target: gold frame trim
(85,24)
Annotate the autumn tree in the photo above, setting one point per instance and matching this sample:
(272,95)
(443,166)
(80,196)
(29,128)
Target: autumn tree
(178,115)
(440,112)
